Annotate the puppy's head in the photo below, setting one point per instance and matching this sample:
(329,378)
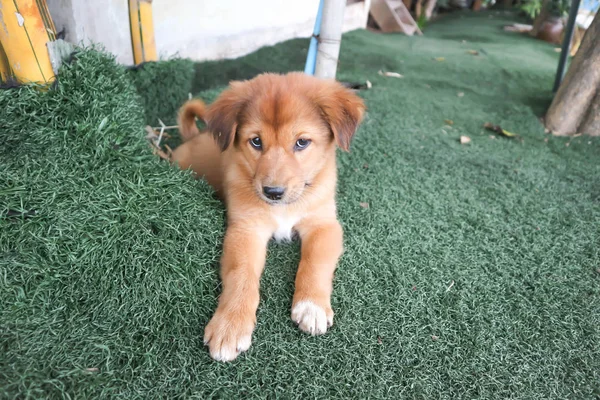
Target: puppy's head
(284,129)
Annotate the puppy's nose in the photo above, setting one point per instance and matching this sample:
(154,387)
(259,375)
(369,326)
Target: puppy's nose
(273,192)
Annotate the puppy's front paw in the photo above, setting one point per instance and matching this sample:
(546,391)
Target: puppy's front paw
(311,317)
(228,334)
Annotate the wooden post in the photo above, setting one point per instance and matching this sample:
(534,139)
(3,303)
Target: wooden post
(142,31)
(330,38)
(573,100)
(25,29)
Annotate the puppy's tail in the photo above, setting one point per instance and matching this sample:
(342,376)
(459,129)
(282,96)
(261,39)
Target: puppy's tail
(188,113)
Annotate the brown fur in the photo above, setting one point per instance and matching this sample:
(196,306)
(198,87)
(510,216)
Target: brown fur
(280,109)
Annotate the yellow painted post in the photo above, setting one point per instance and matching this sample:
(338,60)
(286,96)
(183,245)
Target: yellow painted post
(24,32)
(142,31)
(5,72)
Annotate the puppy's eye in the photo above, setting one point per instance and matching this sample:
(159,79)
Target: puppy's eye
(256,143)
(301,144)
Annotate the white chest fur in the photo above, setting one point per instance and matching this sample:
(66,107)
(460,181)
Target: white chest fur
(285,224)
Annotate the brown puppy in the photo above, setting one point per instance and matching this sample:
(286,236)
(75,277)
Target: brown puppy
(271,157)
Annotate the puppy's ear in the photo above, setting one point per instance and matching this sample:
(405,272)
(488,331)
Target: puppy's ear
(343,111)
(223,116)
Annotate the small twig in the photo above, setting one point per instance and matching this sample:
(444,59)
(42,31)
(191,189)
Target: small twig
(151,133)
(450,287)
(162,131)
(571,139)
(161,154)
(166,127)
(154,141)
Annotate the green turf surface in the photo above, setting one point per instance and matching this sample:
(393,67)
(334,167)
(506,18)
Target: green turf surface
(473,273)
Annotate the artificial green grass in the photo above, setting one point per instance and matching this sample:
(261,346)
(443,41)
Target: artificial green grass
(163,86)
(473,273)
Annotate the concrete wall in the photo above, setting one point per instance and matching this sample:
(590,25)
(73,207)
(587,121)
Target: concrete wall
(97,21)
(200,30)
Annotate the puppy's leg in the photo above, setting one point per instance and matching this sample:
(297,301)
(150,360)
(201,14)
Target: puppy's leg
(321,249)
(229,332)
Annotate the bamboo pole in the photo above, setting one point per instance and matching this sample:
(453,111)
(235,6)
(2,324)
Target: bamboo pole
(5,73)
(142,31)
(330,38)
(25,28)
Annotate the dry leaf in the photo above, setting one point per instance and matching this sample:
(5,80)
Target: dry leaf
(465,139)
(557,49)
(499,130)
(473,52)
(440,59)
(449,121)
(391,74)
(364,205)
(92,369)
(460,94)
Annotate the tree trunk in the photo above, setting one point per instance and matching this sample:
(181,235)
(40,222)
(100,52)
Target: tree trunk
(575,94)
(591,123)
(541,18)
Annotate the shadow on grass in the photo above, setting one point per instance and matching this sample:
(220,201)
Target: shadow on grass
(283,57)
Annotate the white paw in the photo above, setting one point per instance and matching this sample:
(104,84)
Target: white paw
(244,343)
(312,318)
(228,351)
(227,337)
